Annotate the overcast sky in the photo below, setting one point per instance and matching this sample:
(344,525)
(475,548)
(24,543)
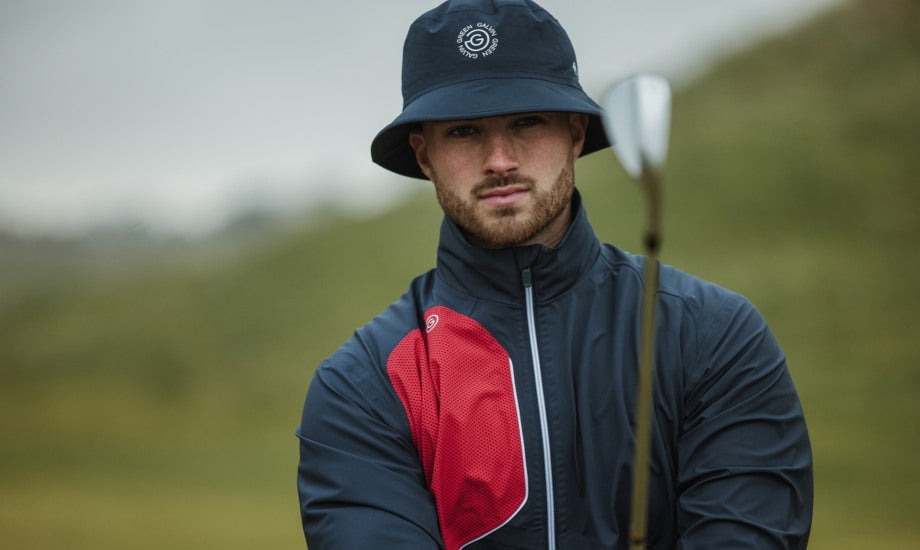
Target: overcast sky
(174,114)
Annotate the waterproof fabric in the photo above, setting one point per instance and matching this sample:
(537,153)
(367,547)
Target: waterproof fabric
(424,430)
(469,59)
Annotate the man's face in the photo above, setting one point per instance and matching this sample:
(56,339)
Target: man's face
(505,180)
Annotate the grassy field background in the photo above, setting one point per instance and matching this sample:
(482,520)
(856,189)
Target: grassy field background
(151,402)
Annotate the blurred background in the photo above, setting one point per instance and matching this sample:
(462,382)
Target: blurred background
(190,222)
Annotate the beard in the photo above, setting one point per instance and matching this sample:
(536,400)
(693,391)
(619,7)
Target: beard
(510,225)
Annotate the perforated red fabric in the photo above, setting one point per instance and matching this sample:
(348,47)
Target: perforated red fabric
(457,386)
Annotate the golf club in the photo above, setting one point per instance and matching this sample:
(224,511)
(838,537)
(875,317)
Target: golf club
(637,120)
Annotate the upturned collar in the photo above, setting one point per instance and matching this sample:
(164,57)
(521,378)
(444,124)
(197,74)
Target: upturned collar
(496,274)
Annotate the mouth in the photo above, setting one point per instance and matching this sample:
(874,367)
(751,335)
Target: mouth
(507,195)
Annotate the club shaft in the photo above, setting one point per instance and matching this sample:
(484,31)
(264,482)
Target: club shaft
(645,386)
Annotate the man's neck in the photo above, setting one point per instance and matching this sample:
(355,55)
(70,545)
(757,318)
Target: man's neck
(552,235)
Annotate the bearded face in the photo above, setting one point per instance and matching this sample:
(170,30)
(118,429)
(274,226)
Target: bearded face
(506,180)
(513,224)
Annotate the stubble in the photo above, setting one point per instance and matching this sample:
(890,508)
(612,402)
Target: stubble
(512,225)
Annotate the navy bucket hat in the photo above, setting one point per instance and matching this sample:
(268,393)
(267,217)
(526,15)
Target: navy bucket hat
(471,59)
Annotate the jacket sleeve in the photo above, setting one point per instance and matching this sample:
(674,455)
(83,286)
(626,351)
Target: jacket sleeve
(745,464)
(360,480)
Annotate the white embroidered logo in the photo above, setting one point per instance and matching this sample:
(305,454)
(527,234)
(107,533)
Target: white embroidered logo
(431,322)
(479,40)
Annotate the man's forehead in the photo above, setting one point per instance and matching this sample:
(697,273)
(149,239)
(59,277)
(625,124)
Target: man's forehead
(497,117)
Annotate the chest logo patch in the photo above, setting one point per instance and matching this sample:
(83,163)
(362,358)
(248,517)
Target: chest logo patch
(430,322)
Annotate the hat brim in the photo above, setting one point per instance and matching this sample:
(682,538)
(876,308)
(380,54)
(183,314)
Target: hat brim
(479,99)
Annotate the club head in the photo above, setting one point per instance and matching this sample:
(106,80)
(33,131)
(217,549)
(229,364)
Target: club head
(637,121)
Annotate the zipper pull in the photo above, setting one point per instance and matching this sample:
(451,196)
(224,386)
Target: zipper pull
(527,277)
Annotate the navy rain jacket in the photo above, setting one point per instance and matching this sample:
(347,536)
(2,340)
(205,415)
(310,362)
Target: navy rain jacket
(492,406)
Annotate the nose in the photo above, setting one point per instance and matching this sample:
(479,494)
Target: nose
(500,155)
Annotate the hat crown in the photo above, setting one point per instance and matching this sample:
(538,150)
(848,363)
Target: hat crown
(469,59)
(465,40)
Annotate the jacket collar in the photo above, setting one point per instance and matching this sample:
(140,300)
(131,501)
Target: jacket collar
(497,274)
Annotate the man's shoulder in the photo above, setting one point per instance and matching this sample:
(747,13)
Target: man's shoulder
(357,371)
(696,295)
(372,342)
(720,318)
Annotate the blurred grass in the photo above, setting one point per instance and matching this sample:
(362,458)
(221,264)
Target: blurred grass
(157,409)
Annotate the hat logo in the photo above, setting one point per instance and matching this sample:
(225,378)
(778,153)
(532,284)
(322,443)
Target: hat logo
(479,40)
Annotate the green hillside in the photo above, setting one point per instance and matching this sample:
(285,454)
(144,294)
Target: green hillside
(156,408)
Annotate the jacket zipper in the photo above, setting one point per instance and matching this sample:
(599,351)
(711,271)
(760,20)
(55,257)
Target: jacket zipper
(541,406)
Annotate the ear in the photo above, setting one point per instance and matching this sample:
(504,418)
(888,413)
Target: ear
(420,146)
(578,126)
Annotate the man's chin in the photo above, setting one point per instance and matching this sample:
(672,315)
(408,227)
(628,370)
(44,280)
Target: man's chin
(506,212)
(501,233)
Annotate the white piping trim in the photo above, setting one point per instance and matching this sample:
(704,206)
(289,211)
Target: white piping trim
(544,423)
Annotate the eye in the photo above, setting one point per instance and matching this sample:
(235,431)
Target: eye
(465,130)
(529,120)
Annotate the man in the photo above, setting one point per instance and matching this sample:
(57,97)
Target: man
(492,406)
